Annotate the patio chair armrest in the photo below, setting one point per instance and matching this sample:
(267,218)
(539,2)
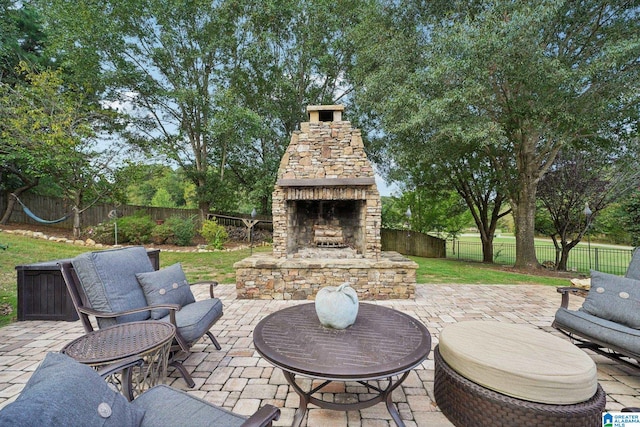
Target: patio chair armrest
(212,284)
(102,314)
(263,417)
(116,367)
(566,291)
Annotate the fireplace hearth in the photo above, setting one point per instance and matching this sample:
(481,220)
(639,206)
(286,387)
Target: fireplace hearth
(326,221)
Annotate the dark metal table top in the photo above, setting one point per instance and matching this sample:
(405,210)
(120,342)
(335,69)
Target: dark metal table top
(381,343)
(120,341)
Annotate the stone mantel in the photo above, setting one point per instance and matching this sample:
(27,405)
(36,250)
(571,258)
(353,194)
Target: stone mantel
(326,182)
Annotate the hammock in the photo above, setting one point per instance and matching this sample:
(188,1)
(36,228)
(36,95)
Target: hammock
(38,219)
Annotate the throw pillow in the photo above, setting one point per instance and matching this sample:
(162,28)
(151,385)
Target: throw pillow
(614,298)
(63,392)
(166,286)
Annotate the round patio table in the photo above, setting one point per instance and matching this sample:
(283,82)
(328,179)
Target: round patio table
(150,340)
(382,346)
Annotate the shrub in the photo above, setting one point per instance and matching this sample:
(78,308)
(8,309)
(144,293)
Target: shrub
(103,233)
(183,230)
(214,233)
(135,229)
(162,234)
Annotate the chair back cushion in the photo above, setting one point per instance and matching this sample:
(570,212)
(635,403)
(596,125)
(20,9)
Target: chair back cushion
(614,298)
(633,271)
(108,279)
(62,392)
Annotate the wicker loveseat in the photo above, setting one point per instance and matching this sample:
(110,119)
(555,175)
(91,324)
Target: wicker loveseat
(608,322)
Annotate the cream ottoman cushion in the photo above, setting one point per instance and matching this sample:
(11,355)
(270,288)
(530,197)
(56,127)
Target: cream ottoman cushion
(519,361)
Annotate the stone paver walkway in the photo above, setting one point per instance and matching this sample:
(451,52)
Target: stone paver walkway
(238,379)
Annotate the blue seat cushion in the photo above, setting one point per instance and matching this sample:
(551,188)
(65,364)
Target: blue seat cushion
(63,392)
(603,330)
(194,320)
(167,285)
(167,407)
(109,281)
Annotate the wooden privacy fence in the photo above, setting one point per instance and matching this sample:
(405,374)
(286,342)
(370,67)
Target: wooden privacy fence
(50,208)
(413,243)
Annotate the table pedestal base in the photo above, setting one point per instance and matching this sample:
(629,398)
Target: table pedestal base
(135,380)
(383,395)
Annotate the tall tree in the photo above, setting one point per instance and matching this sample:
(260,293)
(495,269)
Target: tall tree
(21,39)
(164,61)
(49,130)
(292,53)
(576,180)
(214,87)
(517,81)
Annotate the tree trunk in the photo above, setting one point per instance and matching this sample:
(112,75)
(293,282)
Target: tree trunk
(524,212)
(564,258)
(11,201)
(76,223)
(76,215)
(204,210)
(487,250)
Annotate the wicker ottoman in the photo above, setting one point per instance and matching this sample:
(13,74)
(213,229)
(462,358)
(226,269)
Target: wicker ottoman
(469,404)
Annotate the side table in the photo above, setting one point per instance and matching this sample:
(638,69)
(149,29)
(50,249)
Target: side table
(149,340)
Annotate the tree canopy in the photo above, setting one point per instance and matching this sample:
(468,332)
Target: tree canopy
(578,180)
(511,82)
(50,131)
(215,88)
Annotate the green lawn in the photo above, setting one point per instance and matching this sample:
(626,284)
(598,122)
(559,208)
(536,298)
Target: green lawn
(463,272)
(608,258)
(219,266)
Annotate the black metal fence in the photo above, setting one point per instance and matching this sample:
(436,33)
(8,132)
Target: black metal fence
(581,258)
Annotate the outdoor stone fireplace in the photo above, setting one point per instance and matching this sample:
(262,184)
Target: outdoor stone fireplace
(326,221)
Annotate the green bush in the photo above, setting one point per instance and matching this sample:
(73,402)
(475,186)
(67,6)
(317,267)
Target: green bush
(214,233)
(135,229)
(183,230)
(103,233)
(162,234)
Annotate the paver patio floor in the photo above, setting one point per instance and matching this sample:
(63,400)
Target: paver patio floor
(238,379)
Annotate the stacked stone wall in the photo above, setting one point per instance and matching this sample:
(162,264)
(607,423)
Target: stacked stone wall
(394,277)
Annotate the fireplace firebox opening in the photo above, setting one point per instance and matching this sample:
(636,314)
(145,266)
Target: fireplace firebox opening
(329,224)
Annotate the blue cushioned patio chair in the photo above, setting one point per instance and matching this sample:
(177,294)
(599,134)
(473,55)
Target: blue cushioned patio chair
(62,392)
(608,322)
(107,285)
